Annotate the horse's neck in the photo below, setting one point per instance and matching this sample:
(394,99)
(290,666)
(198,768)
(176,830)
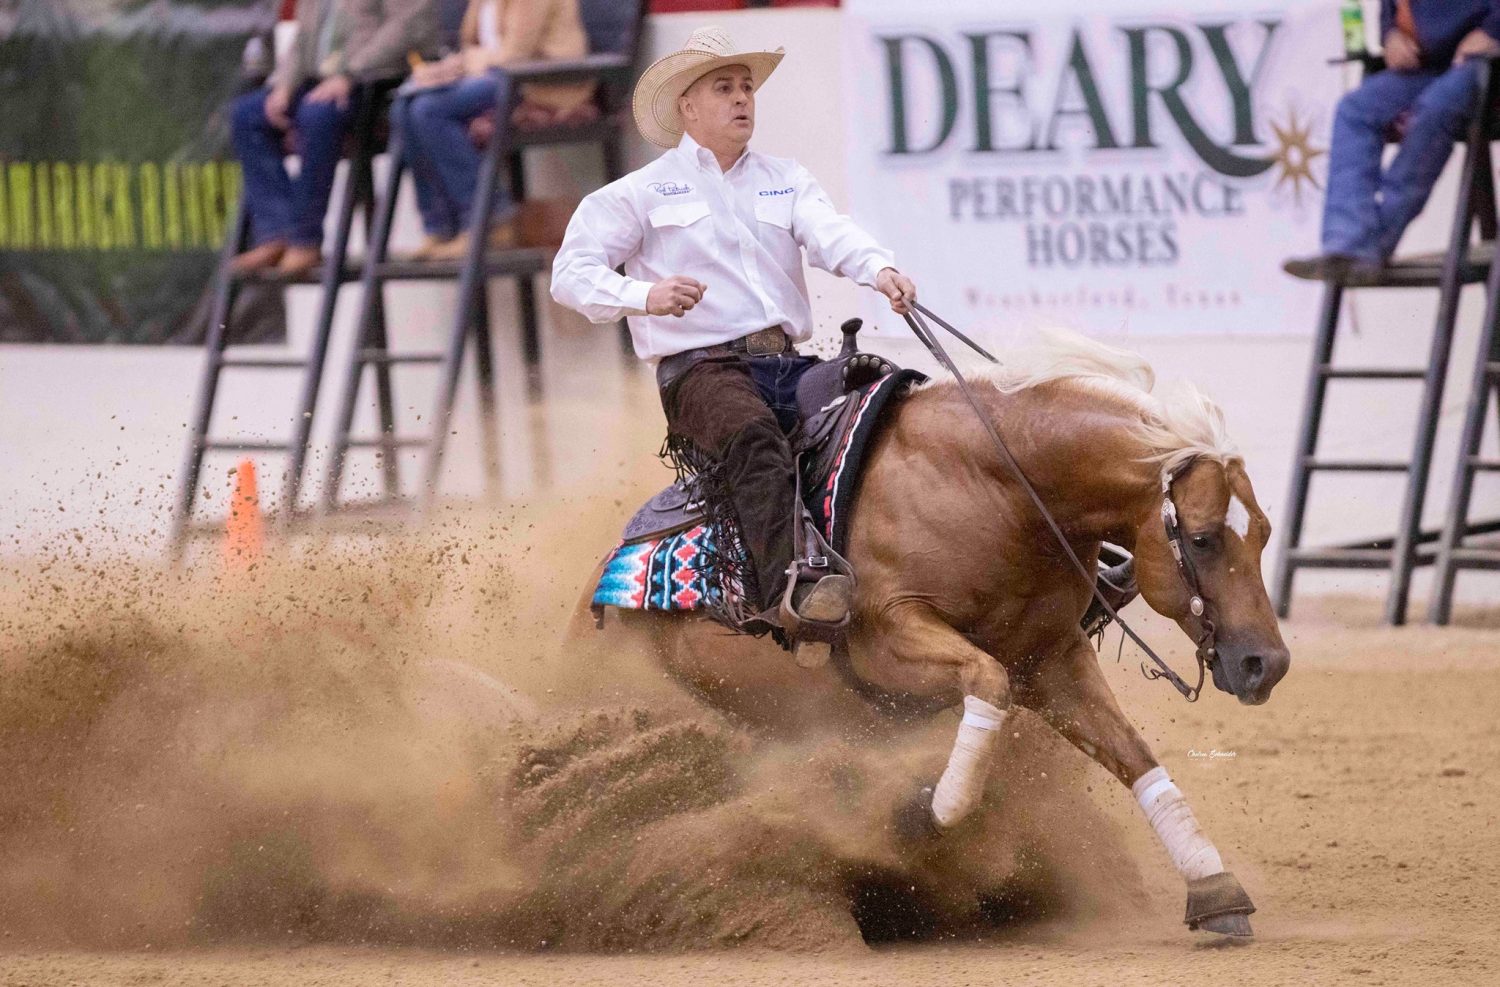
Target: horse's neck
(1087,466)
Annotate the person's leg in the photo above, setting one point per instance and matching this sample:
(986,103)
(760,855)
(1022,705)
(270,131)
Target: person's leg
(1439,117)
(410,114)
(776,378)
(716,406)
(1351,221)
(267,187)
(320,139)
(445,135)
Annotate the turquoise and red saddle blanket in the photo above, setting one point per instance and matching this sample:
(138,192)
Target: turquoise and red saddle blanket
(665,559)
(662,572)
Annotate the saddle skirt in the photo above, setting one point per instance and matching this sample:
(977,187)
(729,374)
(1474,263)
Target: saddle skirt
(666,554)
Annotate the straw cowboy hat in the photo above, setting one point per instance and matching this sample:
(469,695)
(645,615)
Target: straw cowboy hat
(671,75)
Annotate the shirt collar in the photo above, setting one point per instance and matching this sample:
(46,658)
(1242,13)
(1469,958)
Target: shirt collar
(704,158)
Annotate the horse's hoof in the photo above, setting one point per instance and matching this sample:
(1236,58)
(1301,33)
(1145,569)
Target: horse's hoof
(1232,924)
(1217,903)
(913,820)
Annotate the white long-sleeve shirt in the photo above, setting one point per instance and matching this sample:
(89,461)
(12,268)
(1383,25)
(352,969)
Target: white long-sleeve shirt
(741,232)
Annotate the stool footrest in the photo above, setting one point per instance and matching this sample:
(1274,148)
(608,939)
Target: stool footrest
(1371,373)
(388,442)
(245,445)
(1356,465)
(263,362)
(387,357)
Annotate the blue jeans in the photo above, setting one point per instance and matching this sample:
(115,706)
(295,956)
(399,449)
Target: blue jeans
(1366,211)
(282,207)
(776,379)
(444,162)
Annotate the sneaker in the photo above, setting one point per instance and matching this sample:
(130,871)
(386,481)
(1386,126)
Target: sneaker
(258,258)
(428,248)
(1343,268)
(826,601)
(298,261)
(454,249)
(502,237)
(1362,272)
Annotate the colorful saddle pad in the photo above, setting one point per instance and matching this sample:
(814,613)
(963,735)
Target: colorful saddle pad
(665,572)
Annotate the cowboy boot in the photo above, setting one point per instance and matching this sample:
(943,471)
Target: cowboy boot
(825,601)
(815,605)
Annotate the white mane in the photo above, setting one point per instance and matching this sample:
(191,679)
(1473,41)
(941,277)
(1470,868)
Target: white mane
(1179,425)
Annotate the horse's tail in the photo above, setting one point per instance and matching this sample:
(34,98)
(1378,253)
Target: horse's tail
(583,622)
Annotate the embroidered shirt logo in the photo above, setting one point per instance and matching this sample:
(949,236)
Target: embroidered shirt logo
(776,191)
(670,188)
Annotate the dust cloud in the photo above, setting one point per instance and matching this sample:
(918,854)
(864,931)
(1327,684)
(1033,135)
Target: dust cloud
(391,741)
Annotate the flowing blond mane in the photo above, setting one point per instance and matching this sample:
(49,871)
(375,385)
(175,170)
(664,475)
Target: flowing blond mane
(1176,426)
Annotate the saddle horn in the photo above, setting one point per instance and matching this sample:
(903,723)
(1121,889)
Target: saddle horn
(850,329)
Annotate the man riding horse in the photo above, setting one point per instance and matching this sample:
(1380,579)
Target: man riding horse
(711,213)
(965,496)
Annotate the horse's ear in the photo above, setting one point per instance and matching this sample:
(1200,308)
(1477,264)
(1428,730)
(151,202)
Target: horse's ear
(1242,490)
(1203,489)
(1239,482)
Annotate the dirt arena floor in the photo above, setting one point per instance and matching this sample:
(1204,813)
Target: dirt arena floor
(372,763)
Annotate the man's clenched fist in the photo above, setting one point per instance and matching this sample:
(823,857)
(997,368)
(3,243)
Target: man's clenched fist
(898,288)
(674,296)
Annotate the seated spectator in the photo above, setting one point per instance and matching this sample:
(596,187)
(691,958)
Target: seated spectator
(1430,82)
(454,102)
(340,43)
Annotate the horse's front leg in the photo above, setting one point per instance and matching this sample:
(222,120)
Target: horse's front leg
(928,653)
(1070,692)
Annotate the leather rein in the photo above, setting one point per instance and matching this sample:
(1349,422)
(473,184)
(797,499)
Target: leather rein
(1207,651)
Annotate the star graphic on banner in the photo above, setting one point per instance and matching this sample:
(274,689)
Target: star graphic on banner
(1295,154)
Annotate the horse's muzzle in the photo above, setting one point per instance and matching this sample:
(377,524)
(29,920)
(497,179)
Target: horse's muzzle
(1250,673)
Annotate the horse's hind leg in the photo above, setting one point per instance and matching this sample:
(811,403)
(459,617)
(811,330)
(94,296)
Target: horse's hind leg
(1071,694)
(919,640)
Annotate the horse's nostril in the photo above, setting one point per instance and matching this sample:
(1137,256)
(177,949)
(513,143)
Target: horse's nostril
(1254,669)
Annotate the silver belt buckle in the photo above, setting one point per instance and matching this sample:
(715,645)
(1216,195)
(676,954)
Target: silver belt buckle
(766,342)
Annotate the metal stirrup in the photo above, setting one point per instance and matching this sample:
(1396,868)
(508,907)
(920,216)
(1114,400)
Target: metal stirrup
(810,551)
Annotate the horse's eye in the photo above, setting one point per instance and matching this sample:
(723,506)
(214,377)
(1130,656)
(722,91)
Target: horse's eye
(1200,541)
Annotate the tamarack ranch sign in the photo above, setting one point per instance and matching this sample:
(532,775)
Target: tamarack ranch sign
(1134,172)
(116,181)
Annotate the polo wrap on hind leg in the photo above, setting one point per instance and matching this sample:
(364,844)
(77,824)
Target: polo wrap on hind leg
(1172,818)
(962,783)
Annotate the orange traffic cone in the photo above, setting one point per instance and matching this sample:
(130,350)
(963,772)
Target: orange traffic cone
(245,529)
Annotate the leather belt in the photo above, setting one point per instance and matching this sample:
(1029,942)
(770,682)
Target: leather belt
(765,342)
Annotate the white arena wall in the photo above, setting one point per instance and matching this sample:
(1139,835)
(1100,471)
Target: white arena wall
(93,436)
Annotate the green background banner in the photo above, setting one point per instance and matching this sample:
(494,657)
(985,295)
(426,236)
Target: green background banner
(115,179)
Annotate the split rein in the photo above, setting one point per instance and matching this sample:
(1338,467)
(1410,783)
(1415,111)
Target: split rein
(1206,650)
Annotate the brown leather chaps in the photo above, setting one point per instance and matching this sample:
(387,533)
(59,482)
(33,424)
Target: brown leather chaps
(716,406)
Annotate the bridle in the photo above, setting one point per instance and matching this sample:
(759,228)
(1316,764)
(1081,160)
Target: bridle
(1205,639)
(1206,646)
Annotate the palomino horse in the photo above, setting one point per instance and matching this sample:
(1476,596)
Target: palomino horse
(965,597)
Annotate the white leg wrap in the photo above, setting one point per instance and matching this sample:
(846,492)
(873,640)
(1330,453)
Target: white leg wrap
(962,783)
(1191,852)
